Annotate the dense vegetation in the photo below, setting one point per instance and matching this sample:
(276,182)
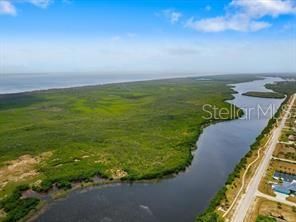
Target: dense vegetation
(210,214)
(261,218)
(286,87)
(232,79)
(131,131)
(264,95)
(17,207)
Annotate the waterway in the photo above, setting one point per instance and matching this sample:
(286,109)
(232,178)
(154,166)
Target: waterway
(219,148)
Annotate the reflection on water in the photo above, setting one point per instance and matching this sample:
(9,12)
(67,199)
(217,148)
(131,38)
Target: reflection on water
(220,147)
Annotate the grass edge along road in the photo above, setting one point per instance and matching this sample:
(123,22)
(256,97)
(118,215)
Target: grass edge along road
(249,196)
(225,195)
(244,178)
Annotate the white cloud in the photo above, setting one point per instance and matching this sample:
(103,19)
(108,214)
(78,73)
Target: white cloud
(260,8)
(40,3)
(244,16)
(172,15)
(218,24)
(7,8)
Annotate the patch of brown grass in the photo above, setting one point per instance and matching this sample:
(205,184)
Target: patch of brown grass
(284,166)
(2,214)
(265,207)
(21,169)
(284,151)
(235,186)
(265,186)
(118,173)
(292,199)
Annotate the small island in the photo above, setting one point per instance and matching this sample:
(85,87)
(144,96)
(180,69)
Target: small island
(272,95)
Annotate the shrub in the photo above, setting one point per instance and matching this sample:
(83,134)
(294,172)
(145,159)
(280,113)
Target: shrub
(17,207)
(66,185)
(210,215)
(45,186)
(261,218)
(22,208)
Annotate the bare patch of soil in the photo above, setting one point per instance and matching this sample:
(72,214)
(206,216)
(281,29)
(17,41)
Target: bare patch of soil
(20,169)
(118,173)
(269,208)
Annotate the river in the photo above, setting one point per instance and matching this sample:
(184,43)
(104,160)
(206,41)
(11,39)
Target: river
(180,198)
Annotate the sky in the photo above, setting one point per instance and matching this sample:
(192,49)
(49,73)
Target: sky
(148,36)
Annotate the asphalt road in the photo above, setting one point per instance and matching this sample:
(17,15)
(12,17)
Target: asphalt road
(248,198)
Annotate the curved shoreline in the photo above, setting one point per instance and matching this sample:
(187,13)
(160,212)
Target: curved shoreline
(44,205)
(267,95)
(210,211)
(165,176)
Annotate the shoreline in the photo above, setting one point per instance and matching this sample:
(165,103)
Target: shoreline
(211,210)
(254,77)
(108,182)
(77,86)
(151,178)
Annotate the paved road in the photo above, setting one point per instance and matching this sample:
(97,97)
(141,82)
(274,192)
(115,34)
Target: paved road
(248,198)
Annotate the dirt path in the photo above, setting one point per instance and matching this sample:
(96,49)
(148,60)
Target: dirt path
(248,198)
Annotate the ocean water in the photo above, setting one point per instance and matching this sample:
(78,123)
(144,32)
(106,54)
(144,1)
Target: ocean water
(15,83)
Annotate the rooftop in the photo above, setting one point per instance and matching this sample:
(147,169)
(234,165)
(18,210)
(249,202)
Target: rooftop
(284,176)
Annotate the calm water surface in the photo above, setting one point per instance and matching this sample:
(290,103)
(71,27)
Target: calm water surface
(220,147)
(14,83)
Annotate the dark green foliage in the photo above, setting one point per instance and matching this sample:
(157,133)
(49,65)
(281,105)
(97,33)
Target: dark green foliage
(45,186)
(146,129)
(66,185)
(286,87)
(22,208)
(234,78)
(17,207)
(261,218)
(209,217)
(23,187)
(18,100)
(10,202)
(273,95)
(215,202)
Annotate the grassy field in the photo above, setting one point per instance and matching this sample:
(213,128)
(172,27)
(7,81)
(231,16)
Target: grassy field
(130,131)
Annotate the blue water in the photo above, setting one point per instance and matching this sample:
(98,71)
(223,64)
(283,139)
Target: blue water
(181,198)
(14,83)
